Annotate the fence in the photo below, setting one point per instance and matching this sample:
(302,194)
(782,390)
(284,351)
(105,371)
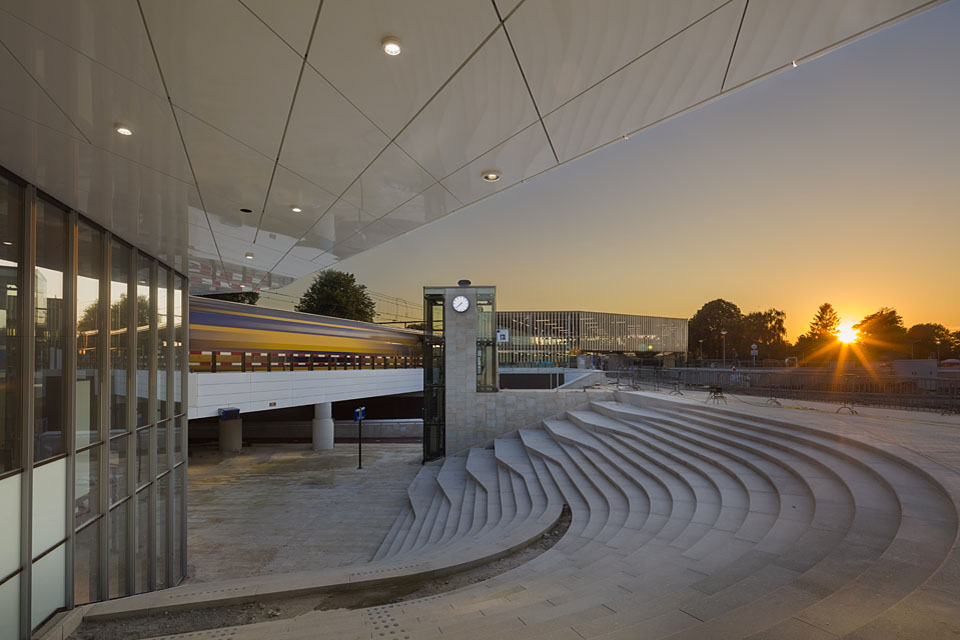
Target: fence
(243,361)
(938,394)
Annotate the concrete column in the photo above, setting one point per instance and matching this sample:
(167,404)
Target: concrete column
(322,426)
(231,435)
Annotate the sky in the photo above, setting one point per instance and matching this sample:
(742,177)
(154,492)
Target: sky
(837,181)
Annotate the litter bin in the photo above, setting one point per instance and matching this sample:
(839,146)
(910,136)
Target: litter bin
(231,430)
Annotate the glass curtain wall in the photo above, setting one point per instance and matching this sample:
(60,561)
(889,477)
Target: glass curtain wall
(92,389)
(486,339)
(433,374)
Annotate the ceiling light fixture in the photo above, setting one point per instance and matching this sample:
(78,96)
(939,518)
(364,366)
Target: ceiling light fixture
(245,210)
(124,131)
(492,175)
(794,64)
(391,46)
(248,255)
(8,243)
(296,209)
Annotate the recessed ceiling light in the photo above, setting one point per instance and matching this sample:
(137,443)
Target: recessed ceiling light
(794,64)
(296,209)
(248,255)
(491,175)
(8,243)
(391,46)
(245,210)
(124,131)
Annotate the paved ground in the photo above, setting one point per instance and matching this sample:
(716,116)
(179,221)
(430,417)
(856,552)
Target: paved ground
(282,507)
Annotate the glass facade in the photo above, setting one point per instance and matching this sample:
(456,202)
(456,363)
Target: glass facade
(486,339)
(556,338)
(92,413)
(433,378)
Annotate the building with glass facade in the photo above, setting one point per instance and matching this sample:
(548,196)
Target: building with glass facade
(556,338)
(92,413)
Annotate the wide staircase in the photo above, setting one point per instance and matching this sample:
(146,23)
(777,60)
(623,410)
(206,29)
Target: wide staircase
(687,522)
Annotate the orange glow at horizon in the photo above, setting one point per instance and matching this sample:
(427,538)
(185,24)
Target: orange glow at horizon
(847,334)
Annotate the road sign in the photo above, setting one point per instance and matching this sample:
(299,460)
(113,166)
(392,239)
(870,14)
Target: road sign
(359,414)
(503,335)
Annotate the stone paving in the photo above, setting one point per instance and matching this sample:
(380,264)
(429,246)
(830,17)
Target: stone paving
(283,507)
(689,521)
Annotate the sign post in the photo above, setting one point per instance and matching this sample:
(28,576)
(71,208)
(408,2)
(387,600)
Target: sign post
(754,352)
(358,415)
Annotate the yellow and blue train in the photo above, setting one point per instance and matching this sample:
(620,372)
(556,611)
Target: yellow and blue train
(228,336)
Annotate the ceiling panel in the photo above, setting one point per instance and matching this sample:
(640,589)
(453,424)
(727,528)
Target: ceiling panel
(436,36)
(328,141)
(224,66)
(506,6)
(678,74)
(23,97)
(291,20)
(107,31)
(566,46)
(287,191)
(392,179)
(97,100)
(292,267)
(231,176)
(485,103)
(525,154)
(776,33)
(432,204)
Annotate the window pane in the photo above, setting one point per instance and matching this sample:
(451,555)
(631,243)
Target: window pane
(48,377)
(162,495)
(87,493)
(11,212)
(118,468)
(143,340)
(119,337)
(48,585)
(10,608)
(118,550)
(179,491)
(143,540)
(163,342)
(89,271)
(86,563)
(10,531)
(178,363)
(162,430)
(143,457)
(179,426)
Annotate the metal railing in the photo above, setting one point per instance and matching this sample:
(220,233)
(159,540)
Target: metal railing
(936,394)
(244,361)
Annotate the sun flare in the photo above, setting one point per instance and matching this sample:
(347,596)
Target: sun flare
(847,334)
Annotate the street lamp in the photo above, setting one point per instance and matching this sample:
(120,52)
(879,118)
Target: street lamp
(938,353)
(701,348)
(723,334)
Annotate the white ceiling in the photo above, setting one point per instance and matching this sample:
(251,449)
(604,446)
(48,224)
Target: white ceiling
(265,105)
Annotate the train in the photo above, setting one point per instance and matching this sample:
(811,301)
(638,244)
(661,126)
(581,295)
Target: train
(233,337)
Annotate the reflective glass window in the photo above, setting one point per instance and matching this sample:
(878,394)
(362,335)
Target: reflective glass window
(119,336)
(178,363)
(86,562)
(143,557)
(11,213)
(143,457)
(86,504)
(51,247)
(144,355)
(118,550)
(118,468)
(163,483)
(163,342)
(89,272)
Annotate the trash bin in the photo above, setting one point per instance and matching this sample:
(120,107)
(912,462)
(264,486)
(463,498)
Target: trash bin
(231,430)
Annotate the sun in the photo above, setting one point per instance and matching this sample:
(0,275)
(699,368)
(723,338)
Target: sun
(847,334)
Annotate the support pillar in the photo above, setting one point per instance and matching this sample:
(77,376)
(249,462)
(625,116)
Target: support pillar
(322,426)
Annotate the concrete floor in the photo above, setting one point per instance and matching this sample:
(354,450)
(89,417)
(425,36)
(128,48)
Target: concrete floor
(282,507)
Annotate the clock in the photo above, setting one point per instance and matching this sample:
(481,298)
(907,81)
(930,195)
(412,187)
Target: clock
(460,304)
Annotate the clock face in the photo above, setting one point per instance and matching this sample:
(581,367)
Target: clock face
(460,304)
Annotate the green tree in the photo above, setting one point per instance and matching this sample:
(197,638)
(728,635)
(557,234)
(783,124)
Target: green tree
(825,323)
(707,323)
(118,312)
(883,335)
(243,297)
(924,337)
(338,294)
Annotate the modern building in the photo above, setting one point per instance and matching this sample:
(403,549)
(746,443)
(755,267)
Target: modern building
(558,338)
(152,147)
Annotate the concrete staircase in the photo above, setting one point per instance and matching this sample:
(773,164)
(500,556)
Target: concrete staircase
(687,522)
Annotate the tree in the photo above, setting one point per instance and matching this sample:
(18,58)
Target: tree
(819,343)
(707,323)
(765,329)
(243,297)
(89,318)
(337,294)
(924,337)
(883,335)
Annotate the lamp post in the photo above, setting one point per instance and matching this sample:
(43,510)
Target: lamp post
(723,334)
(701,348)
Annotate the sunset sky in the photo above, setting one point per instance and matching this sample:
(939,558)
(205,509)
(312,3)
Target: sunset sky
(836,181)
